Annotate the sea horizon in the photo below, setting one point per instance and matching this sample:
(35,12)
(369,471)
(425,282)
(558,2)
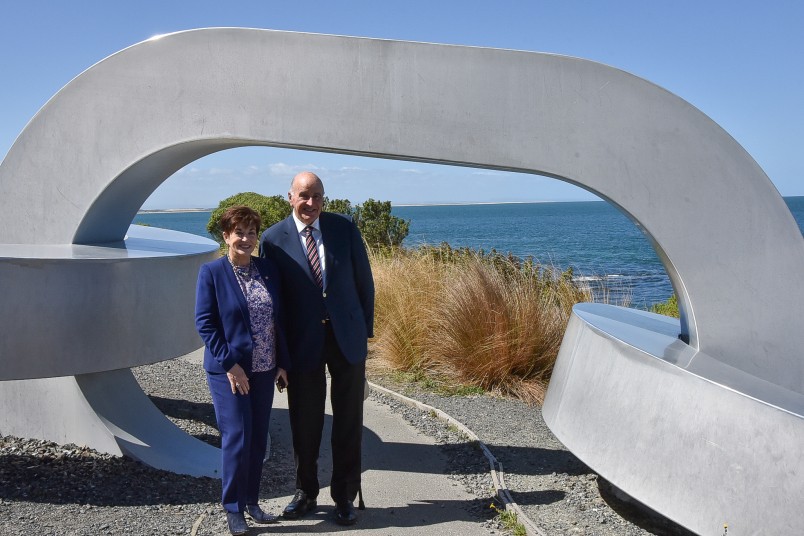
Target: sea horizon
(458,204)
(177,210)
(172,210)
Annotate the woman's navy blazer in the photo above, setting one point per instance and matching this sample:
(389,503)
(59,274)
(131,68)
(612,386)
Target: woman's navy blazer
(222,318)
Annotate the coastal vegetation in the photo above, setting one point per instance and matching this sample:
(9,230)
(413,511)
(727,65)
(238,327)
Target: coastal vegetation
(667,308)
(270,208)
(379,228)
(460,319)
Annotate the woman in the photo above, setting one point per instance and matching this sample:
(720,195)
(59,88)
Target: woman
(238,315)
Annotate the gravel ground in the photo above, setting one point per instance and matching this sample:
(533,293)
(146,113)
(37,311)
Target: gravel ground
(50,489)
(554,489)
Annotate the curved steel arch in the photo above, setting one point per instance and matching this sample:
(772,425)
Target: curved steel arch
(88,160)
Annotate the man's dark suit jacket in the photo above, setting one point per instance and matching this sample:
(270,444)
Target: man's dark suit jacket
(222,318)
(347,301)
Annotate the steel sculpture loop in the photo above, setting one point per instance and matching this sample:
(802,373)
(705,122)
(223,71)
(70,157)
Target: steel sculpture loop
(704,406)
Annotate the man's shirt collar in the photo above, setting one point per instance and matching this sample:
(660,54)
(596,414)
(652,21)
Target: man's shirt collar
(301,225)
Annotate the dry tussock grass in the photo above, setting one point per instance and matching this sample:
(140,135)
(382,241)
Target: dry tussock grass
(485,321)
(405,289)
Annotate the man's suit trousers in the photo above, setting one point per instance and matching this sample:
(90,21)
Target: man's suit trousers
(306,400)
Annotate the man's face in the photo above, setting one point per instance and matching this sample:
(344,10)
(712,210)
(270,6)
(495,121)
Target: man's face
(306,196)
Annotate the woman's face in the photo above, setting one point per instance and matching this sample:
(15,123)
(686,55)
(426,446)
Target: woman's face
(241,240)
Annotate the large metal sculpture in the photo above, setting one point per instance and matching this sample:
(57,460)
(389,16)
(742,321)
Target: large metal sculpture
(699,419)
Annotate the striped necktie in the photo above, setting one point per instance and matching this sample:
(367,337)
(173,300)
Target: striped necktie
(312,256)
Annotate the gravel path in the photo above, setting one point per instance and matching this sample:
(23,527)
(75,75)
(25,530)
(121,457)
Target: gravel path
(49,489)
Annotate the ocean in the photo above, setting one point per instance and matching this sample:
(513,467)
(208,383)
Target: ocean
(600,244)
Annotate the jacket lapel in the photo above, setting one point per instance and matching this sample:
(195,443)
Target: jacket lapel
(230,276)
(292,246)
(329,252)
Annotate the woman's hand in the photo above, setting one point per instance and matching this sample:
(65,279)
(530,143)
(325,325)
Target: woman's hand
(281,379)
(238,380)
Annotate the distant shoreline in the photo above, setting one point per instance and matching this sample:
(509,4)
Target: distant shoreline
(176,210)
(180,210)
(486,203)
(173,210)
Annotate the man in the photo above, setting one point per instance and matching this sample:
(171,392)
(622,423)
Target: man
(329,298)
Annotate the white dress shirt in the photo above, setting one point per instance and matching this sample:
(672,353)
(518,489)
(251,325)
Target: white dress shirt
(316,225)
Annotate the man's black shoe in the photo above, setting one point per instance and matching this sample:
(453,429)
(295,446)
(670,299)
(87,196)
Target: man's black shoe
(237,523)
(345,513)
(259,516)
(299,506)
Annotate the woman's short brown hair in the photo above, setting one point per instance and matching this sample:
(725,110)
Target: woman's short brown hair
(239,215)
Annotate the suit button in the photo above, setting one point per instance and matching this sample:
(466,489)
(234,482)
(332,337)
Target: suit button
(324,321)
(324,294)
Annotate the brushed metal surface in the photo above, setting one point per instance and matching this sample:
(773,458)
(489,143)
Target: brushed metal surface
(626,398)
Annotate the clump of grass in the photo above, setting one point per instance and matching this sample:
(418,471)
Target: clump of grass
(474,320)
(509,521)
(500,326)
(406,288)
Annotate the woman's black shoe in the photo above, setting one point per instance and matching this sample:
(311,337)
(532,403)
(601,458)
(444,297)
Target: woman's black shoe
(259,516)
(237,523)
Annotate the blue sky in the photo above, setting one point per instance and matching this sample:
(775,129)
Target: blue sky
(740,62)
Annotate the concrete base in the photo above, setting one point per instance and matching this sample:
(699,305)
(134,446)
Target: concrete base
(632,402)
(107,411)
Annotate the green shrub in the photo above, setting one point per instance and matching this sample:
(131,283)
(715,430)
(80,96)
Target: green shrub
(668,308)
(271,210)
(339,206)
(378,227)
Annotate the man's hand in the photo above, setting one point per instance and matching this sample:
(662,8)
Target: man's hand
(281,379)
